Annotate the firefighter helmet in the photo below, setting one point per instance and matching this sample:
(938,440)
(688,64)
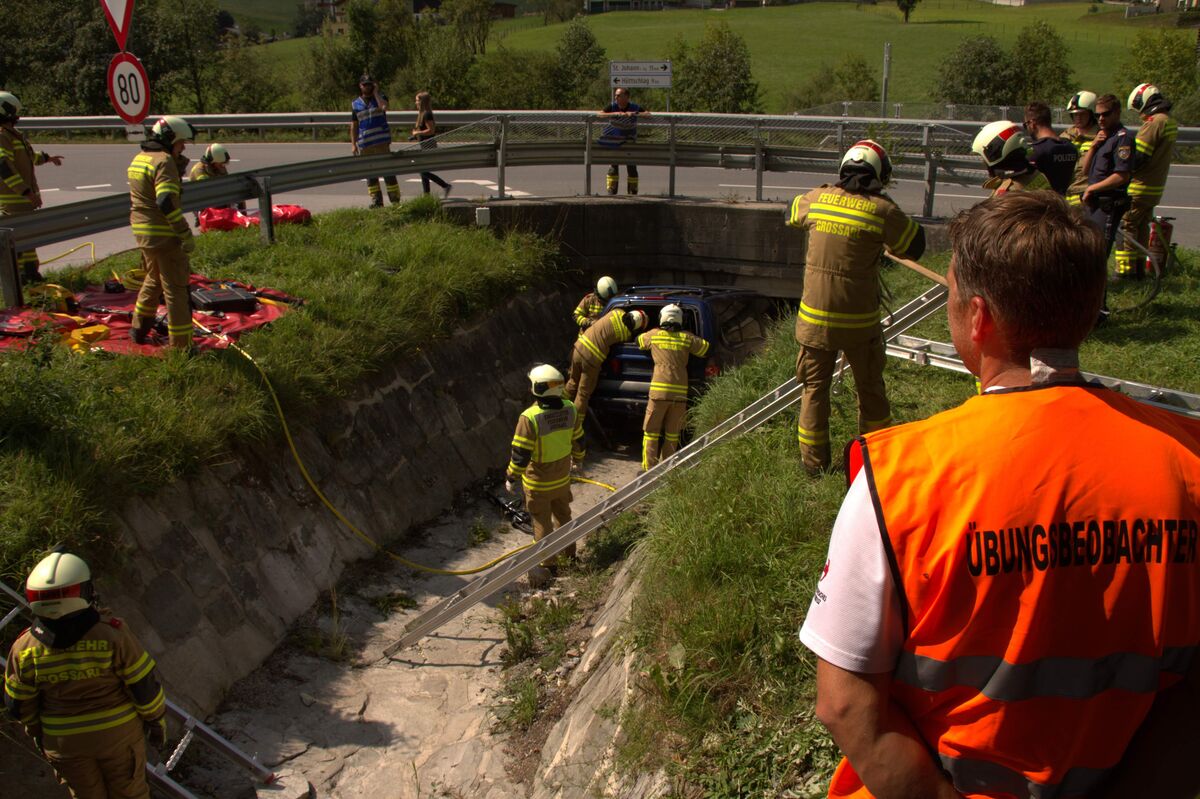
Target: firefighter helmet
(998,141)
(59,585)
(671,315)
(606,287)
(546,381)
(637,319)
(1082,101)
(871,154)
(1143,96)
(215,154)
(170,129)
(10,107)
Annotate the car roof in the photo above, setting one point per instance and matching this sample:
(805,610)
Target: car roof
(674,291)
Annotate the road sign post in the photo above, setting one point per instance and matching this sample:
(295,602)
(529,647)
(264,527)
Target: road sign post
(128,87)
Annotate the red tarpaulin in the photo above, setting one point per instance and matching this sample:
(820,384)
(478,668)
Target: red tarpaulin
(231,218)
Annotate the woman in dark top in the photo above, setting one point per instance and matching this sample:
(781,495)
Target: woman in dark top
(426,129)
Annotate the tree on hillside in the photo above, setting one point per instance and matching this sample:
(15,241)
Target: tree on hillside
(308,20)
(851,79)
(471,19)
(554,11)
(522,79)
(906,7)
(979,72)
(1163,57)
(714,76)
(580,72)
(331,72)
(1048,77)
(241,82)
(441,65)
(183,44)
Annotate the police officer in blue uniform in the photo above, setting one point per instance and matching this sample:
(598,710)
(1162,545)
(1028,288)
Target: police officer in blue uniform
(1108,166)
(370,135)
(1054,157)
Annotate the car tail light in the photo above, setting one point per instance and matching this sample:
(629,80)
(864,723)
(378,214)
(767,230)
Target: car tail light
(614,367)
(712,370)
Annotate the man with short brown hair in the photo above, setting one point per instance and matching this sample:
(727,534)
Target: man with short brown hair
(1054,157)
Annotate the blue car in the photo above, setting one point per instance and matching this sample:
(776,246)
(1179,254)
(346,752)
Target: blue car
(733,321)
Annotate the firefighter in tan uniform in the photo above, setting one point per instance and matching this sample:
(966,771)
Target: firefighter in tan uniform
(669,345)
(848,226)
(592,305)
(19,192)
(591,348)
(1004,148)
(1082,108)
(83,687)
(156,216)
(547,442)
(1152,151)
(213,164)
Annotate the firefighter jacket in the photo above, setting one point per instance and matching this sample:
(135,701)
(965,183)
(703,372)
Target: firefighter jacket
(670,350)
(103,680)
(1083,143)
(17,180)
(594,343)
(155,204)
(1032,180)
(588,310)
(372,122)
(847,232)
(1047,592)
(202,170)
(1152,150)
(548,437)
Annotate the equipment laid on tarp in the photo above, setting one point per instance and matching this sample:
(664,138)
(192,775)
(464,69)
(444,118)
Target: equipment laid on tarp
(232,218)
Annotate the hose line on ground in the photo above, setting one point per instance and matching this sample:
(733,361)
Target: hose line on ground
(287,433)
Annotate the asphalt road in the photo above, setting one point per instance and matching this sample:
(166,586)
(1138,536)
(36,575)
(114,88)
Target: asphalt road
(94,170)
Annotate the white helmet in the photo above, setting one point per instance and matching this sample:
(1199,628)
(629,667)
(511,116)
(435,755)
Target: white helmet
(999,140)
(546,381)
(215,154)
(168,130)
(10,107)
(59,585)
(871,154)
(606,287)
(1082,101)
(637,319)
(1143,96)
(671,315)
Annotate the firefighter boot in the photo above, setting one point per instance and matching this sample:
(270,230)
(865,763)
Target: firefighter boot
(631,184)
(393,190)
(140,331)
(611,180)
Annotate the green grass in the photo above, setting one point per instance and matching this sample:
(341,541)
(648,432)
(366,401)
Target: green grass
(276,15)
(79,435)
(736,544)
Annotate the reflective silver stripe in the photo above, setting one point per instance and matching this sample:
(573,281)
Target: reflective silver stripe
(983,776)
(1073,678)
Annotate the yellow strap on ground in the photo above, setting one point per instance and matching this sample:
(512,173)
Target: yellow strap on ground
(575,479)
(287,433)
(68,252)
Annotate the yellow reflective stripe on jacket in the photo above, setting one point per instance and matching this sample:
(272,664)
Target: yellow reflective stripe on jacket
(1144,147)
(670,388)
(13,180)
(618,323)
(1139,189)
(521,442)
(587,342)
(151,708)
(89,722)
(166,187)
(816,316)
(15,199)
(849,216)
(551,446)
(19,690)
(138,670)
(910,232)
(793,211)
(151,229)
(664,339)
(545,485)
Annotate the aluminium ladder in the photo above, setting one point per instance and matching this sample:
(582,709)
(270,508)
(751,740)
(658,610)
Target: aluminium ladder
(750,417)
(158,774)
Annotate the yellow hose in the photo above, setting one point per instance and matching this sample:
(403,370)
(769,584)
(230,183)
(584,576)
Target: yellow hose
(593,483)
(68,252)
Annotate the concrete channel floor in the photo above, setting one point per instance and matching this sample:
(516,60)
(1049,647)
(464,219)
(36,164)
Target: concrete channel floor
(419,726)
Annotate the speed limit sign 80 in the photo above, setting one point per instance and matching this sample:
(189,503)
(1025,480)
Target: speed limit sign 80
(128,87)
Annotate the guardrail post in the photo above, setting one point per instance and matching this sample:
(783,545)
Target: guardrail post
(930,174)
(841,140)
(671,173)
(758,161)
(266,223)
(10,279)
(587,157)
(502,156)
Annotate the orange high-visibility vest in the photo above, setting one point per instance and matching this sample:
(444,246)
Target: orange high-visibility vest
(1044,542)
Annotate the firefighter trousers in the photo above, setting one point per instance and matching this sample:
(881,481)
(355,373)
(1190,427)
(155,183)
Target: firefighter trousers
(108,764)
(1135,227)
(814,368)
(550,510)
(167,272)
(27,260)
(660,430)
(613,178)
(393,186)
(581,383)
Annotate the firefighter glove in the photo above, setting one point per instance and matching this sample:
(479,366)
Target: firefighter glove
(156,731)
(510,486)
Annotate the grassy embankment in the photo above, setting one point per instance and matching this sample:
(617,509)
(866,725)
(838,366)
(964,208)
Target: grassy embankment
(736,544)
(81,434)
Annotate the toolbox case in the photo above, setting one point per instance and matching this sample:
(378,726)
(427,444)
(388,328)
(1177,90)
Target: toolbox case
(228,300)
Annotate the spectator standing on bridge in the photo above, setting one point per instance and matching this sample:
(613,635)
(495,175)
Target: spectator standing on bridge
(1054,157)
(1108,165)
(547,443)
(999,593)
(591,348)
(848,226)
(162,234)
(1150,164)
(1005,151)
(370,135)
(83,687)
(592,305)
(622,118)
(1082,108)
(669,345)
(424,131)
(19,192)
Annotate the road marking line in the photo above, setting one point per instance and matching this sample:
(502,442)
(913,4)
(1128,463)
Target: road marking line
(1179,207)
(95,186)
(751,186)
(963,196)
(48,190)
